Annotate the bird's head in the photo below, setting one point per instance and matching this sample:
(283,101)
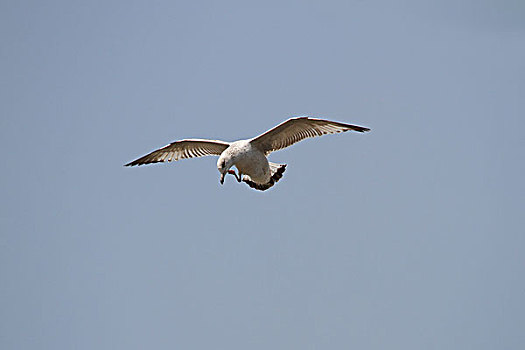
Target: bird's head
(223,165)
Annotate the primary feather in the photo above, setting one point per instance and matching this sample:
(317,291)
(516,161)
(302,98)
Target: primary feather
(296,129)
(183,149)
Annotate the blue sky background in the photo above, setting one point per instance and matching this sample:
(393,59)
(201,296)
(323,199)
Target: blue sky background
(408,237)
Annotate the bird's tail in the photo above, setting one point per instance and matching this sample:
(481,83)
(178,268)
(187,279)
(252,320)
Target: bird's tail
(277,171)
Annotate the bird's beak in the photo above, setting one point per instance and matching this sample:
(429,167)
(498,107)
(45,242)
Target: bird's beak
(222,179)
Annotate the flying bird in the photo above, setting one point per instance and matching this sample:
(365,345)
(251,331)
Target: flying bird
(249,156)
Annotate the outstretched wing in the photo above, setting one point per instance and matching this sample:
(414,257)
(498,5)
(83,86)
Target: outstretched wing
(182,149)
(296,129)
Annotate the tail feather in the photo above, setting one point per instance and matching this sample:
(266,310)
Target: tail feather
(277,171)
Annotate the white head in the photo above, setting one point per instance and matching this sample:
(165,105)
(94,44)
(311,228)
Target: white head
(224,163)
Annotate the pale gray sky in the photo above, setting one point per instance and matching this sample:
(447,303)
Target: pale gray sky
(408,237)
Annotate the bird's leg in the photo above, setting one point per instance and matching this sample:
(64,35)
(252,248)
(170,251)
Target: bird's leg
(235,174)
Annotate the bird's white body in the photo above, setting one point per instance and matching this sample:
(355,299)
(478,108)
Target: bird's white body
(249,156)
(248,160)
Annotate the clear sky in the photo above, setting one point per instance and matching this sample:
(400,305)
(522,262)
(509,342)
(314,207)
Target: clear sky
(408,237)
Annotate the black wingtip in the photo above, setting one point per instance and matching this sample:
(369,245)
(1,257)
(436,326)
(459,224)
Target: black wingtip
(362,129)
(141,161)
(356,128)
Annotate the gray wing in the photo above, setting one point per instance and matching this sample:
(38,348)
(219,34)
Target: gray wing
(182,149)
(296,129)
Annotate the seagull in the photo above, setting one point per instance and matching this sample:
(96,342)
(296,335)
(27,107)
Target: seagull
(250,156)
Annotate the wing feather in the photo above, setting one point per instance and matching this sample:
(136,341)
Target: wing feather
(182,149)
(299,128)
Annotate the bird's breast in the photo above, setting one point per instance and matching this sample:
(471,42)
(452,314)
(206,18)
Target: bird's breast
(252,162)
